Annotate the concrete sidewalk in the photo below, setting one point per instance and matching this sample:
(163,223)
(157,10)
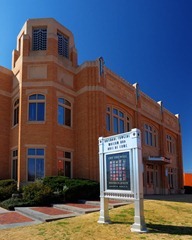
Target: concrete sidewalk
(25,216)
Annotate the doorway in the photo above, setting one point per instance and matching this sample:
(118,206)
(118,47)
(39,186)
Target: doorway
(153,179)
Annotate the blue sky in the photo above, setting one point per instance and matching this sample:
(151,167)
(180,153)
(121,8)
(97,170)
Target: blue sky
(144,41)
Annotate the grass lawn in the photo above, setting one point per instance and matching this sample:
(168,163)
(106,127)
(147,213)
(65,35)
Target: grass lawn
(165,219)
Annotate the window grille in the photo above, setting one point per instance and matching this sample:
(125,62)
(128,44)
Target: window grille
(63,45)
(39,39)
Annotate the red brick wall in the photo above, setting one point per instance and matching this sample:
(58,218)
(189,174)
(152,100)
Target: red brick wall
(5,106)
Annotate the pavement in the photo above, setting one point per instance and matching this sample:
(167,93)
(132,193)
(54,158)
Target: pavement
(25,216)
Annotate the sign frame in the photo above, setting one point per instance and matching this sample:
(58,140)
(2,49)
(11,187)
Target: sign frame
(117,148)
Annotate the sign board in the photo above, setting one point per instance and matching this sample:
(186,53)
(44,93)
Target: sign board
(118,171)
(121,169)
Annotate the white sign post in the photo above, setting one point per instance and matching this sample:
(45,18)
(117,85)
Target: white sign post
(121,170)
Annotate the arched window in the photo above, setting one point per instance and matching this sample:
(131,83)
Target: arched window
(150,135)
(117,121)
(170,144)
(16,112)
(64,112)
(36,107)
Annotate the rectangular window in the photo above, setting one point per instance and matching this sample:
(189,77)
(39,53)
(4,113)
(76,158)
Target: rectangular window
(128,127)
(121,122)
(108,125)
(67,117)
(14,164)
(39,39)
(16,116)
(61,115)
(64,116)
(31,169)
(39,168)
(115,124)
(36,111)
(150,139)
(64,112)
(36,163)
(63,45)
(148,179)
(68,155)
(151,177)
(171,178)
(40,111)
(16,112)
(146,138)
(155,140)
(64,163)
(32,112)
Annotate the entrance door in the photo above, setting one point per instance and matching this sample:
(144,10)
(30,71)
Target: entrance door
(68,169)
(150,179)
(153,178)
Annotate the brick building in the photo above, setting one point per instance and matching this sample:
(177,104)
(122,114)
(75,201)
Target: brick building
(53,111)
